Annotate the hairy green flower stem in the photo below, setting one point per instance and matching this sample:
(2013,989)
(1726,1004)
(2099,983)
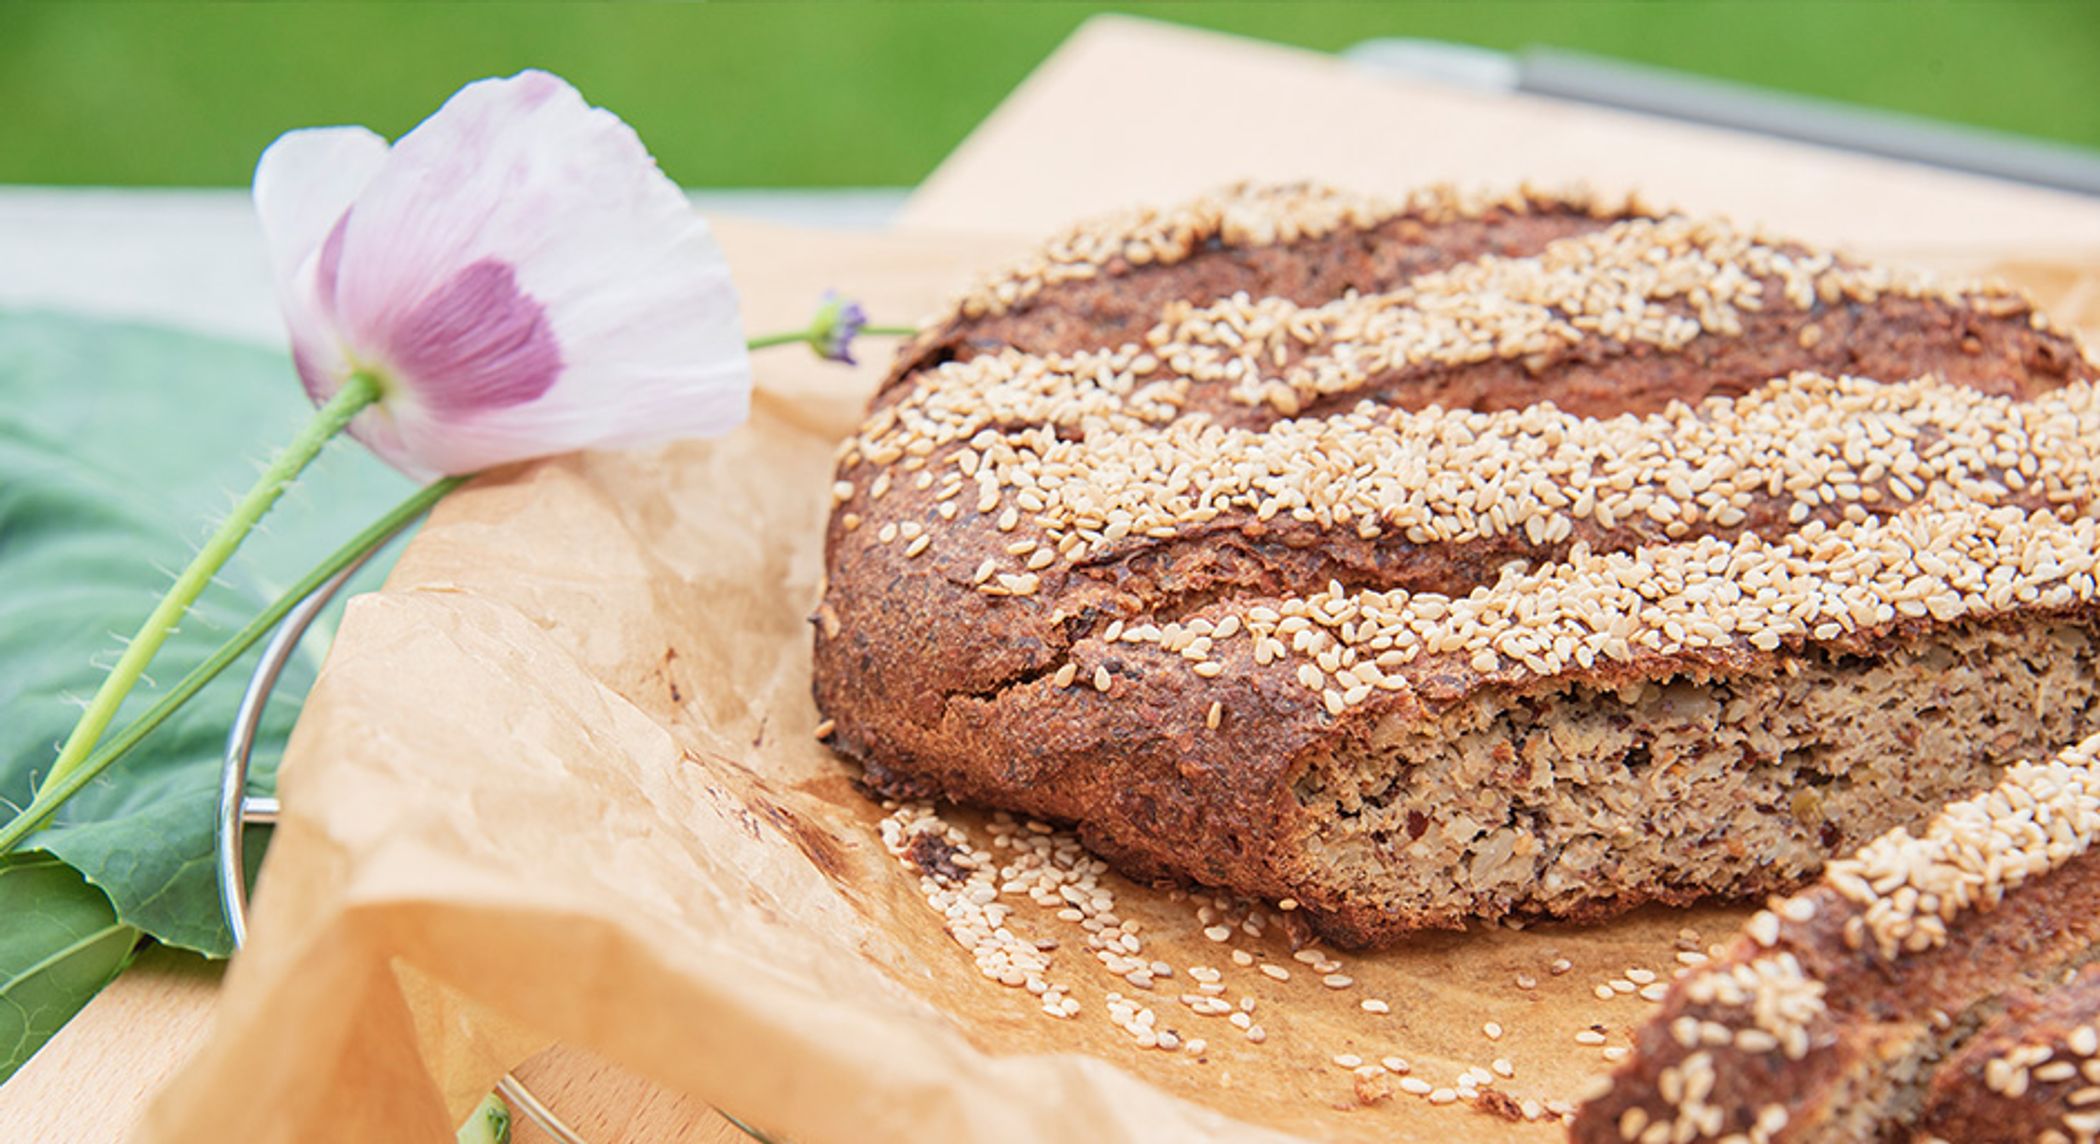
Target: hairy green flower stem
(359,391)
(801,337)
(53,794)
(79,762)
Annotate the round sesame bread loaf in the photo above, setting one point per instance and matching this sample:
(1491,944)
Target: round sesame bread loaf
(1462,557)
(1834,1015)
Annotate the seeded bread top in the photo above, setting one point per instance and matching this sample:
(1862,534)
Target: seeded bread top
(1094,471)
(1244,216)
(1106,279)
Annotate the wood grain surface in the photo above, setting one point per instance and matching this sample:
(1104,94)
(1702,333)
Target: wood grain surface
(91,1083)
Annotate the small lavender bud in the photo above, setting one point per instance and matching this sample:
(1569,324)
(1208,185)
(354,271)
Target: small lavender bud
(838,321)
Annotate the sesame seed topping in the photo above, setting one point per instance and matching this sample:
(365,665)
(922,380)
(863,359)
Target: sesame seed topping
(1241,215)
(1779,998)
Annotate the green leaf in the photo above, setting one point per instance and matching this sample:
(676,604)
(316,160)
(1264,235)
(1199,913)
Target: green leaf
(118,445)
(181,424)
(62,943)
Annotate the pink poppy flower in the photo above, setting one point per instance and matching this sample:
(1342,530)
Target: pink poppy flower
(516,274)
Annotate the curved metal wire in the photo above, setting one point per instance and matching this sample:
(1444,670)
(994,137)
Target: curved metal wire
(237,808)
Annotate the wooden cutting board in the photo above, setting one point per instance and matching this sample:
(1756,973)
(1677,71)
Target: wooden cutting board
(92,1081)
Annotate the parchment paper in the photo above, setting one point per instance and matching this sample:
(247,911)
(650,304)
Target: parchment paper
(559,780)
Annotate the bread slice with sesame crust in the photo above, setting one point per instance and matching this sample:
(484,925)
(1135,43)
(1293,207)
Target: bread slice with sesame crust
(1519,588)
(1828,1018)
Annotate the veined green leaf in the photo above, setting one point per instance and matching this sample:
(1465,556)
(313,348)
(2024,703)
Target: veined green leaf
(118,445)
(60,945)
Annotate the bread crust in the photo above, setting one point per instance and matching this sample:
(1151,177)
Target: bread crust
(941,680)
(2029,1075)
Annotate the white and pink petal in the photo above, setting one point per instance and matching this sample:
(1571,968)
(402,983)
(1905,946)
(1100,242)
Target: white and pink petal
(525,281)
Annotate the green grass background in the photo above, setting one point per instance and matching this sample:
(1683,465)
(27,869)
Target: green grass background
(840,94)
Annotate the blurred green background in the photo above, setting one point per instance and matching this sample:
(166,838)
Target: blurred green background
(831,94)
